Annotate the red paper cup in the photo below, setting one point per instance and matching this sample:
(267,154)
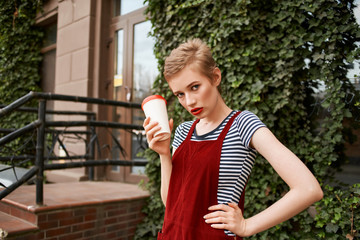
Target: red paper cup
(154,107)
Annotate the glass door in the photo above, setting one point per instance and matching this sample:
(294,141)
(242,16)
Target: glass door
(134,71)
(144,73)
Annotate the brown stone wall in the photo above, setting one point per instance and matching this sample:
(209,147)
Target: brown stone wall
(74,50)
(74,61)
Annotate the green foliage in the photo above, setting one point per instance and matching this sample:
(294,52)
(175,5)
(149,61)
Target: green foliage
(154,211)
(272,55)
(20,58)
(338,214)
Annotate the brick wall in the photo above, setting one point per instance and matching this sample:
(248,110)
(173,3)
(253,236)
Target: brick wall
(116,220)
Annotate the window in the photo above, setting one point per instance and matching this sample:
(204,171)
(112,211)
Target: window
(122,7)
(49,61)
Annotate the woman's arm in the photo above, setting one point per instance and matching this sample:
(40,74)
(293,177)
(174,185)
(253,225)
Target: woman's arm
(166,168)
(163,149)
(304,190)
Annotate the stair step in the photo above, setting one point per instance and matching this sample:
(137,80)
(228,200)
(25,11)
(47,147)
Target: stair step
(65,175)
(17,210)
(13,225)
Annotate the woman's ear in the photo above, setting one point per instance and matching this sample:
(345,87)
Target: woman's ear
(217,76)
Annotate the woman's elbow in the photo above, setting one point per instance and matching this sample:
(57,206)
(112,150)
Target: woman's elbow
(320,194)
(315,193)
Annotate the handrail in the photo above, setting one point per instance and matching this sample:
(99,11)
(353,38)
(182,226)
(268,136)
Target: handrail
(102,162)
(93,123)
(57,112)
(17,133)
(52,96)
(34,170)
(16,104)
(42,126)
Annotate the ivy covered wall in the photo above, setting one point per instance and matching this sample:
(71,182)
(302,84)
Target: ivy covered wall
(274,56)
(20,43)
(20,59)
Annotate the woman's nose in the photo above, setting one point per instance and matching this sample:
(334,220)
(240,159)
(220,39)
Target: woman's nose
(190,100)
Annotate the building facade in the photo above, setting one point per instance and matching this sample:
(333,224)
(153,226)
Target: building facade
(100,49)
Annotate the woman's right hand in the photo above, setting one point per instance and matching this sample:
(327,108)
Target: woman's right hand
(161,147)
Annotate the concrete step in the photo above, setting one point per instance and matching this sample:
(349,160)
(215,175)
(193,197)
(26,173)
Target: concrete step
(105,210)
(12,226)
(66,175)
(18,210)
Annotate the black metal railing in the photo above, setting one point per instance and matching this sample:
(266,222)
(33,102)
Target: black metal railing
(42,126)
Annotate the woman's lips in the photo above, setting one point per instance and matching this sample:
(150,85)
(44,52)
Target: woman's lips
(196,111)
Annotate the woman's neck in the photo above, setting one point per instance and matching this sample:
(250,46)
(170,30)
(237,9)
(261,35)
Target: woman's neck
(213,120)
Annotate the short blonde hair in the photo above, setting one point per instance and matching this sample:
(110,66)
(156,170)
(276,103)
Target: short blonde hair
(193,52)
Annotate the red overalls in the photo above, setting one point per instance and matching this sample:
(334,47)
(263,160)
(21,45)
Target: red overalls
(193,188)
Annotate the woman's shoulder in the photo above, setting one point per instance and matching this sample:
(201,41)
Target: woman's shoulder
(186,123)
(184,127)
(247,116)
(181,132)
(246,124)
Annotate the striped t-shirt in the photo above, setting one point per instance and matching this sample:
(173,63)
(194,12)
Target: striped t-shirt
(237,157)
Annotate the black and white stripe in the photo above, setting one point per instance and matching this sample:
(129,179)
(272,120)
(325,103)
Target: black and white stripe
(237,157)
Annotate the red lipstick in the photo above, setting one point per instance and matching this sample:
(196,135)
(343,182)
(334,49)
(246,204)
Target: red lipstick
(196,111)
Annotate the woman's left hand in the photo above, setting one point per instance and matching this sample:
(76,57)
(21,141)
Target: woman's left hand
(227,217)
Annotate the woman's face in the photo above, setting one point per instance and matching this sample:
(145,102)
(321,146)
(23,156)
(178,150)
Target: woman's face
(195,92)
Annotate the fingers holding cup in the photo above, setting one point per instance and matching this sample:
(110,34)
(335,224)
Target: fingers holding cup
(155,111)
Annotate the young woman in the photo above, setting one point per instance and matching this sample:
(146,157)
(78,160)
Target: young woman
(203,180)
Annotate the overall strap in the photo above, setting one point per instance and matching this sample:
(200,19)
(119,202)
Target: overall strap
(188,137)
(227,126)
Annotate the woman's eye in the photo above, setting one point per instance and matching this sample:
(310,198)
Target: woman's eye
(179,95)
(195,87)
